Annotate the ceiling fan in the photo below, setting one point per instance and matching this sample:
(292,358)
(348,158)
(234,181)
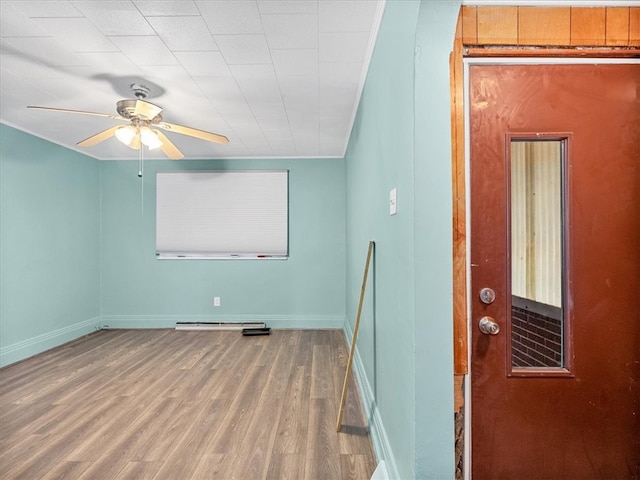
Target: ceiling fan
(143,117)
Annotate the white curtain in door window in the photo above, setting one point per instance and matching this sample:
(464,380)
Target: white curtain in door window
(536,221)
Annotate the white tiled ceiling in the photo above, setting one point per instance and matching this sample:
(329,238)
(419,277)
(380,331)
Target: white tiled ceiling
(279,78)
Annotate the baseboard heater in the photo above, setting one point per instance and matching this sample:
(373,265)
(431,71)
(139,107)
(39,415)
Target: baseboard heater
(219,325)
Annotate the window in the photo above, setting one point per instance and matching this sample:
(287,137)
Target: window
(222,214)
(537,222)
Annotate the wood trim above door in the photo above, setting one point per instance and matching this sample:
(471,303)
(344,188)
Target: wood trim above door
(548,27)
(518,31)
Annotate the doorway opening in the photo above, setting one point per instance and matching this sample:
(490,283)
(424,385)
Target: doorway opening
(515,35)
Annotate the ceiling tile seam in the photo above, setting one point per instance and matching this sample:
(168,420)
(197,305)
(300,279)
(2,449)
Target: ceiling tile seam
(175,16)
(258,123)
(286,112)
(53,37)
(249,105)
(179,50)
(142,15)
(253,114)
(25,36)
(186,71)
(287,14)
(213,106)
(319,87)
(204,21)
(38,17)
(284,105)
(292,49)
(196,83)
(129,34)
(228,62)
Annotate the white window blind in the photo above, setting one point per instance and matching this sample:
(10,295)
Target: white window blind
(222,214)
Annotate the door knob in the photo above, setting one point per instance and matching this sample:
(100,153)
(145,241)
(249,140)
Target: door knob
(488,326)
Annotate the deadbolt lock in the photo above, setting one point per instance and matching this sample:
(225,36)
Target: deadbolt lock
(487,295)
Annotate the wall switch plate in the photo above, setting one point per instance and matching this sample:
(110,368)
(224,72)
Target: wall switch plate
(216,301)
(393,202)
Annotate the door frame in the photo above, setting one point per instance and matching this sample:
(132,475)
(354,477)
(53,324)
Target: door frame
(502,31)
(467,62)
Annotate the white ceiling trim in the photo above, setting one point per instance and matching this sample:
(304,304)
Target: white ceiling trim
(377,20)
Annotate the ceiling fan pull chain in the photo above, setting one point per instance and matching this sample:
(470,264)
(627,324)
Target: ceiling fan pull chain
(140,166)
(140,174)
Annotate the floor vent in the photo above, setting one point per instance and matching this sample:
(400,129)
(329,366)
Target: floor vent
(218,325)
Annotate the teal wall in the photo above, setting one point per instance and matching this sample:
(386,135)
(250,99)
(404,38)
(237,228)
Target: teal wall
(49,238)
(433,239)
(306,290)
(401,138)
(379,158)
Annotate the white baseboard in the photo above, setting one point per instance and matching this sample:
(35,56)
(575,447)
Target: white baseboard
(46,341)
(379,437)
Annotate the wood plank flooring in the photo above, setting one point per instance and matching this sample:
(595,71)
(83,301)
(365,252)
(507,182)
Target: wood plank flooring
(167,404)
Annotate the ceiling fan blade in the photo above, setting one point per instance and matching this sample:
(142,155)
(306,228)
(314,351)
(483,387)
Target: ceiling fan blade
(98,137)
(82,112)
(194,132)
(169,149)
(146,109)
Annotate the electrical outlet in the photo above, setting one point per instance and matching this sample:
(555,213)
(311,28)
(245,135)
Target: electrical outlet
(216,301)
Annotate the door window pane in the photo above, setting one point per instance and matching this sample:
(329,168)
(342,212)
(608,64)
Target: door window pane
(536,190)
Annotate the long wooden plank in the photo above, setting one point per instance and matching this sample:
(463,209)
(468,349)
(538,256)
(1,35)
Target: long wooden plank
(468,29)
(460,352)
(355,337)
(634,27)
(588,26)
(497,25)
(617,26)
(544,26)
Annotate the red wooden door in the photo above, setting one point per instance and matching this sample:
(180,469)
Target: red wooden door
(555,400)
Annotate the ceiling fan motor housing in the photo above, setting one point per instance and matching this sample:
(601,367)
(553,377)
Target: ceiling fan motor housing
(131,109)
(140,91)
(127,109)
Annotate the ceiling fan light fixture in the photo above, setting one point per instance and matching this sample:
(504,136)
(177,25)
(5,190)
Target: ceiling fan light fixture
(133,137)
(127,135)
(150,138)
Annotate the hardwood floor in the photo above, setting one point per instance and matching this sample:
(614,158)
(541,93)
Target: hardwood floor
(166,404)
